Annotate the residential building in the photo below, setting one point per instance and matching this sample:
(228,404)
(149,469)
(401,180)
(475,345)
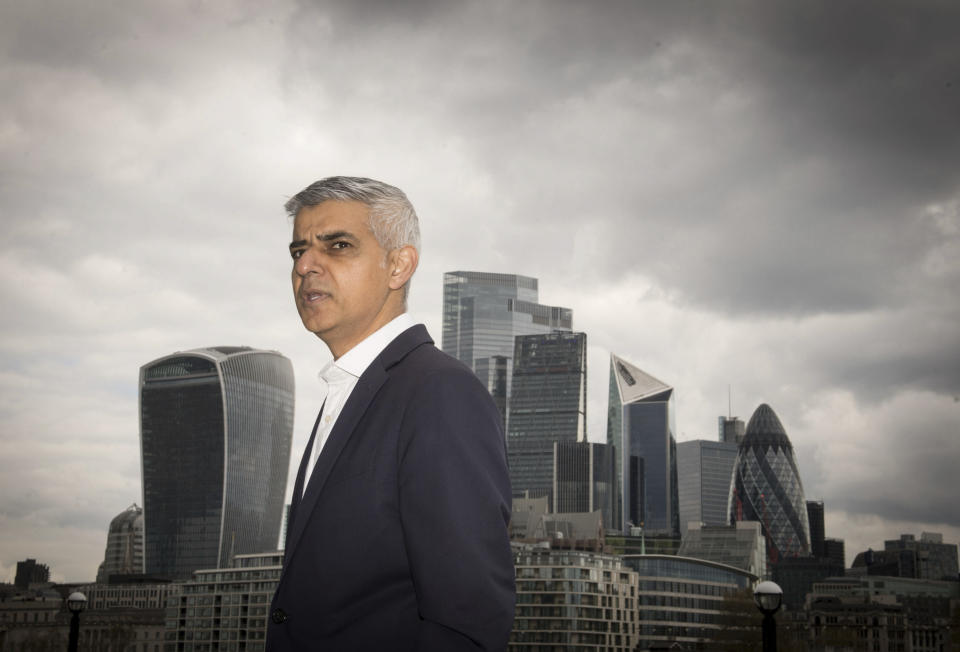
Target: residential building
(225,608)
(215,431)
(572,600)
(640,427)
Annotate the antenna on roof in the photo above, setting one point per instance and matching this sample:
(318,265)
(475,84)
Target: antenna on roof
(729,404)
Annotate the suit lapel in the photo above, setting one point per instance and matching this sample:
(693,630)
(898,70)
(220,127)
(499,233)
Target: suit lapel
(356,406)
(301,479)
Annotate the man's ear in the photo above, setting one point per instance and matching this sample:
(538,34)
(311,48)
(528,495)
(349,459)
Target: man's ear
(403,263)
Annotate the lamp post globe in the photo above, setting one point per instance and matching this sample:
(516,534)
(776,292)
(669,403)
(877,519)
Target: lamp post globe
(769,597)
(76,602)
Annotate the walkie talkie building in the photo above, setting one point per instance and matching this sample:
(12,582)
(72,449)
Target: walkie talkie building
(215,432)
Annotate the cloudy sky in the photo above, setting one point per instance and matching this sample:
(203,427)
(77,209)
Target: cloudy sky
(748,195)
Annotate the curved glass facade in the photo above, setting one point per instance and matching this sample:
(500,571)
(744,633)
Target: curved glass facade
(680,600)
(215,434)
(766,487)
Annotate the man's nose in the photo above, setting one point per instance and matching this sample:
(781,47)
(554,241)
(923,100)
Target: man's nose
(309,261)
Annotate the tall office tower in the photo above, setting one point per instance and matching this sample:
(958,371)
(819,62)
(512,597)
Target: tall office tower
(817,529)
(834,550)
(767,488)
(30,572)
(640,427)
(482,314)
(583,478)
(124,553)
(549,404)
(215,432)
(732,429)
(704,469)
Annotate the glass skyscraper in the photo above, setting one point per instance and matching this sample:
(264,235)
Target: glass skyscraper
(548,404)
(215,431)
(640,427)
(482,314)
(583,478)
(704,469)
(766,487)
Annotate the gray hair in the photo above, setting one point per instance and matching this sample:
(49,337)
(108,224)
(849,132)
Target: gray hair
(392,219)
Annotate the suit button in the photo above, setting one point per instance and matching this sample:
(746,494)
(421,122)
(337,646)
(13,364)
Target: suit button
(279,616)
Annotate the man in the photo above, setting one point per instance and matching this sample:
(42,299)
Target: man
(397,537)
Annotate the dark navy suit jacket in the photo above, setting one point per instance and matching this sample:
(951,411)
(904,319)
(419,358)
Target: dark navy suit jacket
(400,541)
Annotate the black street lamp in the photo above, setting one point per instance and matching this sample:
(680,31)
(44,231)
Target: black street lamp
(76,602)
(768,597)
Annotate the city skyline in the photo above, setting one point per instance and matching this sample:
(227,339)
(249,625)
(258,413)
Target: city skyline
(763,198)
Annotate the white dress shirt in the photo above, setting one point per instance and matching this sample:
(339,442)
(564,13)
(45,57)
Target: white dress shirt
(340,376)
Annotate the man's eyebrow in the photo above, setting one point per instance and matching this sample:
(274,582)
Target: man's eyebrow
(335,235)
(296,244)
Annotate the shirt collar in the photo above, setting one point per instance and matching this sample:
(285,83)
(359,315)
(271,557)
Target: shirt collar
(356,360)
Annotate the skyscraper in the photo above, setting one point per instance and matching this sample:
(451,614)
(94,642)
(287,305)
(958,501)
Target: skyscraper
(482,314)
(124,552)
(30,572)
(215,432)
(704,469)
(767,487)
(640,427)
(817,528)
(583,479)
(732,429)
(548,404)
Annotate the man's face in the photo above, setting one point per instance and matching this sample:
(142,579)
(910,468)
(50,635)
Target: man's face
(340,274)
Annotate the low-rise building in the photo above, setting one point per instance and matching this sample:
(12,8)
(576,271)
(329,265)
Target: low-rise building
(741,545)
(680,599)
(224,609)
(572,600)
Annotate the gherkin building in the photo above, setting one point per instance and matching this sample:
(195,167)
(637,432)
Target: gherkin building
(766,487)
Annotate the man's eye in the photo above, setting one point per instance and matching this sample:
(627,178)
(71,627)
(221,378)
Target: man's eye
(296,253)
(339,244)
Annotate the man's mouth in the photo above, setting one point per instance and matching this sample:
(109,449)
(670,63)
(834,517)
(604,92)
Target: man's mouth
(312,296)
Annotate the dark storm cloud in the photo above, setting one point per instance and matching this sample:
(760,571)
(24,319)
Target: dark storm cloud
(748,193)
(823,129)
